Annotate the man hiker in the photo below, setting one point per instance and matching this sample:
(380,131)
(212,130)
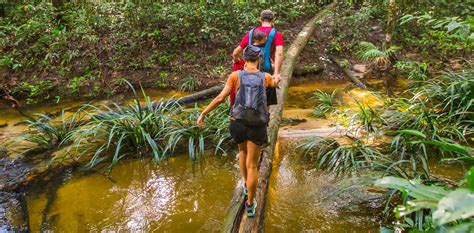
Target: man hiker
(258,39)
(249,118)
(272,49)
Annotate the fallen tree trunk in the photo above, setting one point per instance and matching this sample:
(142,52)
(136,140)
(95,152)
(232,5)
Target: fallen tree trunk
(322,132)
(236,220)
(348,73)
(201,95)
(307,70)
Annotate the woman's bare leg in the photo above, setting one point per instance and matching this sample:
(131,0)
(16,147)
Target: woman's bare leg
(253,152)
(242,159)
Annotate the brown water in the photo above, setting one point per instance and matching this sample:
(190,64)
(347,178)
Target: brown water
(299,94)
(181,196)
(302,199)
(176,196)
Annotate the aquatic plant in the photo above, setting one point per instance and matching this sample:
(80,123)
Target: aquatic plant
(117,132)
(326,102)
(441,107)
(366,118)
(47,133)
(214,134)
(217,123)
(332,156)
(452,95)
(187,130)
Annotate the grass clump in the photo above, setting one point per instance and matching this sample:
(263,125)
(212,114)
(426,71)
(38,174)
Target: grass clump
(135,130)
(47,133)
(159,129)
(327,103)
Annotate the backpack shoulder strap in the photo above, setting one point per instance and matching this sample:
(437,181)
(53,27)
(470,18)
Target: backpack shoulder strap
(270,37)
(239,75)
(262,77)
(267,66)
(251,35)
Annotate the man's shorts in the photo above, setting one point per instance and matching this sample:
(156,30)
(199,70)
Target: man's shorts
(271,96)
(241,133)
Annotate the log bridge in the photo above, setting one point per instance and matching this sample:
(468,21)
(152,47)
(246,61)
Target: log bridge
(236,220)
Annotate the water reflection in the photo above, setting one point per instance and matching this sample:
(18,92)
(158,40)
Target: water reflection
(174,196)
(302,199)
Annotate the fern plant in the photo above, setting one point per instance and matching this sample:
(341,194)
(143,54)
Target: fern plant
(378,57)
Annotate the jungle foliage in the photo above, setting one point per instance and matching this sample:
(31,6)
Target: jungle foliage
(84,48)
(430,122)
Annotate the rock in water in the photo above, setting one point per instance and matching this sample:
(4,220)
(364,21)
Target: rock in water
(13,213)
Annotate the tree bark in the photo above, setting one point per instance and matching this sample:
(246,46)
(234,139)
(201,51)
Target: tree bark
(236,220)
(202,95)
(58,3)
(392,9)
(2,10)
(348,73)
(307,70)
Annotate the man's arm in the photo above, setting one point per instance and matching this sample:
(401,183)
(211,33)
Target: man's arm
(271,81)
(236,54)
(278,60)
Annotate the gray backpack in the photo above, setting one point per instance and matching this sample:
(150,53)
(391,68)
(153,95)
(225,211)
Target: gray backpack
(250,105)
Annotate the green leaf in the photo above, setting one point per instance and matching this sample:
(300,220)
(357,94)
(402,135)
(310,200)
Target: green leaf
(457,205)
(411,132)
(470,179)
(448,147)
(461,228)
(414,188)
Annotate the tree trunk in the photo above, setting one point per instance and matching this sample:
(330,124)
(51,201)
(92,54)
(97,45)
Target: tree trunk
(392,9)
(2,10)
(236,220)
(307,70)
(348,73)
(58,4)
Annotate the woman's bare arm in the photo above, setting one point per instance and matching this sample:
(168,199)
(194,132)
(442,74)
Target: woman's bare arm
(214,103)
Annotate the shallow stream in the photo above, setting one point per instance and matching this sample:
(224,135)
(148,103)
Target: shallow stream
(182,196)
(302,199)
(175,196)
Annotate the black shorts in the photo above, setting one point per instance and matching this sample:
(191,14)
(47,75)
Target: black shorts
(271,96)
(241,133)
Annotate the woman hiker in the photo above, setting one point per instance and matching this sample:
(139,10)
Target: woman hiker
(273,49)
(248,118)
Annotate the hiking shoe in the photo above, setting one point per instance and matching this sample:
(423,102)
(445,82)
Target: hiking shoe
(244,190)
(251,209)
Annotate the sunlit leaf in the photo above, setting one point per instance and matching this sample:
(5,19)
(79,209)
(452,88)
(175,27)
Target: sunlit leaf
(459,204)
